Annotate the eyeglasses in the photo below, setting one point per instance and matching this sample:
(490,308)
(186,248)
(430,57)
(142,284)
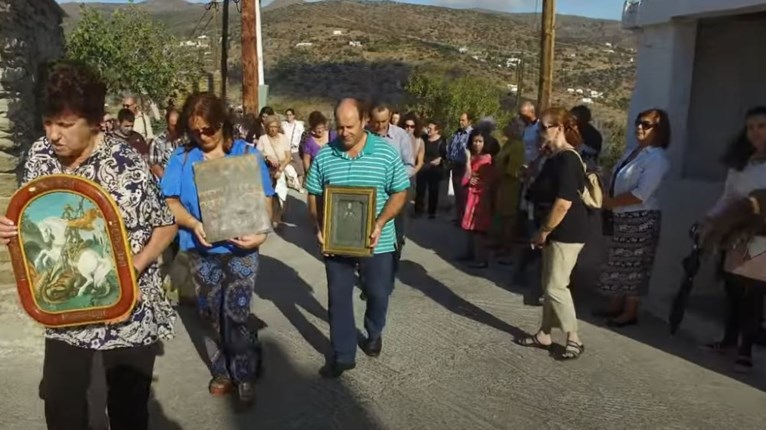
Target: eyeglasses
(205,131)
(542,128)
(409,125)
(646,125)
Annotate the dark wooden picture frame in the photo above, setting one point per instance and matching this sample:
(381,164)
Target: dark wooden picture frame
(71,259)
(347,222)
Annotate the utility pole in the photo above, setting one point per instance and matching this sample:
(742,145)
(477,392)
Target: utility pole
(250,72)
(520,81)
(547,54)
(214,46)
(224,49)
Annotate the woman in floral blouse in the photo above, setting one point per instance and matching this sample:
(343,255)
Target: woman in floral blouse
(73,145)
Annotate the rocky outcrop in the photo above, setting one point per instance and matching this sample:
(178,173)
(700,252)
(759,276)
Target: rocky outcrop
(30,36)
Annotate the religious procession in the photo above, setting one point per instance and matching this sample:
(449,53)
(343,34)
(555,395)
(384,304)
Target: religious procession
(480,262)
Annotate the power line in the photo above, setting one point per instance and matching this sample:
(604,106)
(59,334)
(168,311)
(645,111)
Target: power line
(205,12)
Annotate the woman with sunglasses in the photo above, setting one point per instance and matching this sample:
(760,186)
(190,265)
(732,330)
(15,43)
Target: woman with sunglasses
(411,124)
(224,272)
(319,135)
(563,219)
(632,219)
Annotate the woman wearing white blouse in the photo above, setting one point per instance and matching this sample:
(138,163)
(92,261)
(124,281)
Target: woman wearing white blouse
(635,218)
(293,130)
(746,162)
(276,151)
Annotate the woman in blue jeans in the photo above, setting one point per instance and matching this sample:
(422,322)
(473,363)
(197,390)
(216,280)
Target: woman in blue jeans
(224,272)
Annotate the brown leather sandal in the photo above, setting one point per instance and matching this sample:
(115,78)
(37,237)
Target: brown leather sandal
(220,386)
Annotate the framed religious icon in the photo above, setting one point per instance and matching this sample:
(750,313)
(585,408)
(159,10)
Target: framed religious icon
(71,259)
(348,217)
(231,195)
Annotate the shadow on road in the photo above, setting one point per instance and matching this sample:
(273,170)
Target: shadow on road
(415,276)
(282,286)
(287,398)
(302,235)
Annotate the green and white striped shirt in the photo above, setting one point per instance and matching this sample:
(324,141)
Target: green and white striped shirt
(378,165)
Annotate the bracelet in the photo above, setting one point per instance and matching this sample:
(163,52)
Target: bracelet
(545,229)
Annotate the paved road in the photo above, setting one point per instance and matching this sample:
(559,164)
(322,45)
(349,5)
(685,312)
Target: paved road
(448,361)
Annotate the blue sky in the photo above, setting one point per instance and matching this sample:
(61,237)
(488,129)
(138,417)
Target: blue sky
(608,9)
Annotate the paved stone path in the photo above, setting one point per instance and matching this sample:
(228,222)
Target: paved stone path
(448,360)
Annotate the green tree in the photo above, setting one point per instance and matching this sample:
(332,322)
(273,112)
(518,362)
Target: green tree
(444,99)
(133,53)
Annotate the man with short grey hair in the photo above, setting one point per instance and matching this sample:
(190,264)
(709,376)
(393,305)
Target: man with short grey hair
(380,116)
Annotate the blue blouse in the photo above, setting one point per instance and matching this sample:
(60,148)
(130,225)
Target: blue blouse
(178,181)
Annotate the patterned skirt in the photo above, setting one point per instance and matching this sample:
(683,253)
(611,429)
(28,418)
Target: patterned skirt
(631,254)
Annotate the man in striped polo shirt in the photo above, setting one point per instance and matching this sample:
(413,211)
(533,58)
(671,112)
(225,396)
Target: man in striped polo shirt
(362,159)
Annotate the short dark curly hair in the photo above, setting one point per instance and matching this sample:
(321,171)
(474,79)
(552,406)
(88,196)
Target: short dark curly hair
(73,88)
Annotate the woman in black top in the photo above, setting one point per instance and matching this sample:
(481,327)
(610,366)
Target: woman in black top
(556,194)
(432,172)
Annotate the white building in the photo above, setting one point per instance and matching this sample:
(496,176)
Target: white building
(304,44)
(337,33)
(587,101)
(355,44)
(703,61)
(463,49)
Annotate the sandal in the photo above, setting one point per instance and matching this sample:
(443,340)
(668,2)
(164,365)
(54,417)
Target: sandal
(531,341)
(718,347)
(573,350)
(220,386)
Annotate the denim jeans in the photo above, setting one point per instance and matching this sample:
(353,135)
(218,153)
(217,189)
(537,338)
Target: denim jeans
(378,273)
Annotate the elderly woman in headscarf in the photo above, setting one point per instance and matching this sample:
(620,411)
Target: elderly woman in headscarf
(275,148)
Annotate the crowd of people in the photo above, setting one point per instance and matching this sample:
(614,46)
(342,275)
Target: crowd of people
(527,191)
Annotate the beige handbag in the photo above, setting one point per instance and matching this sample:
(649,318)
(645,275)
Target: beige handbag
(747,259)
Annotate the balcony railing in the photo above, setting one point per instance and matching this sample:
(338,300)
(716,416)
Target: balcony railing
(631,14)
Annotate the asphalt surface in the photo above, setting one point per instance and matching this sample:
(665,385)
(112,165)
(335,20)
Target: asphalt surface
(448,360)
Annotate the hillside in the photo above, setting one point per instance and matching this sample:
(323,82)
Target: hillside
(397,38)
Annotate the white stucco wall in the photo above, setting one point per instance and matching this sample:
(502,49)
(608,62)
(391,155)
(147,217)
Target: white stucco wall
(654,12)
(705,74)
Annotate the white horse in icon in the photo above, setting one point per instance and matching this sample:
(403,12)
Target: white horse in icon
(53,232)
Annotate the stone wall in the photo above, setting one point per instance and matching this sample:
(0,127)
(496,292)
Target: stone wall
(30,36)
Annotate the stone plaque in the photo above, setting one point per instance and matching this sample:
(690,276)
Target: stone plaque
(348,216)
(231,195)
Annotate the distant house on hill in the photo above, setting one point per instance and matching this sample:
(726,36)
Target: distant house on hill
(463,49)
(355,44)
(304,44)
(703,62)
(337,32)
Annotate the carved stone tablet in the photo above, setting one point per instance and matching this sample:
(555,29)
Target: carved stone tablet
(232,199)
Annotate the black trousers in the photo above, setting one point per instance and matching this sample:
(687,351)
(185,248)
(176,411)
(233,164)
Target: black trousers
(427,180)
(66,378)
(745,298)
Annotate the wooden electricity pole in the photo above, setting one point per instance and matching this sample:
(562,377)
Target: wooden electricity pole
(520,81)
(215,47)
(249,57)
(546,78)
(224,49)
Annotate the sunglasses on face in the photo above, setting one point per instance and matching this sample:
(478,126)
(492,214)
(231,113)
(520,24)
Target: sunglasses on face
(409,125)
(205,131)
(646,125)
(545,127)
